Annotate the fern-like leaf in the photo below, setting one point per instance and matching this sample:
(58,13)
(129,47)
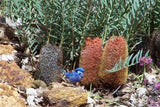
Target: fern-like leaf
(129,61)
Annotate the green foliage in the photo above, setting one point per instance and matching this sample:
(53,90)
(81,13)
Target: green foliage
(67,22)
(139,81)
(155,16)
(27,11)
(129,61)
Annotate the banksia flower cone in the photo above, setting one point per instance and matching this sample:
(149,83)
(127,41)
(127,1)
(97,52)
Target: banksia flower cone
(90,60)
(115,48)
(95,60)
(50,55)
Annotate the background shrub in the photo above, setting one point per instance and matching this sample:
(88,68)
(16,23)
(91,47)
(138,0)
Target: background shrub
(67,23)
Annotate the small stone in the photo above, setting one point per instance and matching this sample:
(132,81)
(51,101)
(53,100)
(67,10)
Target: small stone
(33,97)
(122,106)
(150,77)
(27,67)
(9,57)
(90,100)
(127,90)
(26,60)
(27,52)
(126,96)
(31,91)
(117,99)
(13,24)
(7,52)
(99,105)
(141,103)
(39,83)
(30,101)
(141,91)
(133,99)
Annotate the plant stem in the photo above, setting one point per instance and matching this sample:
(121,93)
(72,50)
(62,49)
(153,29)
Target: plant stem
(84,27)
(62,34)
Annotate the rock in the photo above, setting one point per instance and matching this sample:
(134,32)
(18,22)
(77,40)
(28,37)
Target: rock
(13,24)
(98,105)
(6,32)
(133,99)
(6,57)
(9,97)
(26,64)
(150,77)
(12,74)
(7,52)
(3,37)
(122,106)
(141,91)
(127,90)
(126,96)
(141,103)
(90,101)
(39,83)
(70,96)
(33,97)
(6,49)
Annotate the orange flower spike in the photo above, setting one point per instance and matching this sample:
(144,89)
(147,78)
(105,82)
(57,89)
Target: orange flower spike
(90,60)
(115,48)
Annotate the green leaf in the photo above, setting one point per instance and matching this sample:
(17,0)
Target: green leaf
(129,61)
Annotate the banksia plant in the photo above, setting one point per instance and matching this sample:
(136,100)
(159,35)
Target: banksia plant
(90,60)
(96,60)
(50,55)
(116,49)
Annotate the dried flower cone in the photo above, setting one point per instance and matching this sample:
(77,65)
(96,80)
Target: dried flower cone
(115,48)
(90,60)
(50,55)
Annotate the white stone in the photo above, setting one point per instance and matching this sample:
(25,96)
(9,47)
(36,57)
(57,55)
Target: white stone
(141,91)
(31,91)
(150,77)
(33,98)
(8,57)
(133,99)
(30,101)
(90,100)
